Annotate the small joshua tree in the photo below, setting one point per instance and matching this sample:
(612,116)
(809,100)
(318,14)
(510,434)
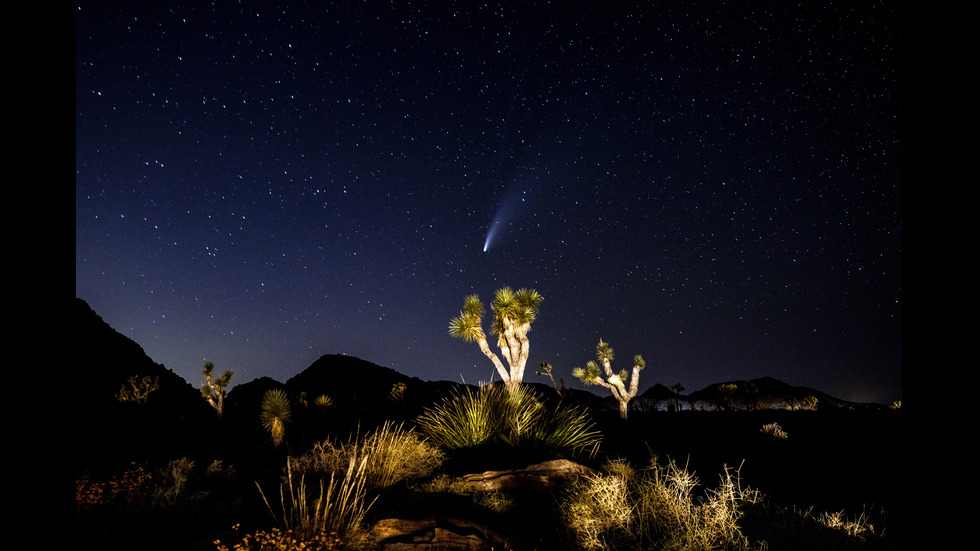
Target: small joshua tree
(138,390)
(591,375)
(213,389)
(546,370)
(727,390)
(677,388)
(513,314)
(397,394)
(276,413)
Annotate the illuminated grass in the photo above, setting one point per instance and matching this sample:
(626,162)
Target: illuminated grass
(517,418)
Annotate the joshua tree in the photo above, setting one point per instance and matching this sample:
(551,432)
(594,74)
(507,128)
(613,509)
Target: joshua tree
(513,314)
(546,370)
(677,388)
(213,389)
(727,390)
(276,412)
(590,375)
(397,394)
(138,390)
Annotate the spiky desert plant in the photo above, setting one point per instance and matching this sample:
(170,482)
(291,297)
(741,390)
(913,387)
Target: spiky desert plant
(657,508)
(465,419)
(339,508)
(513,314)
(615,382)
(569,429)
(323,401)
(276,413)
(516,417)
(395,454)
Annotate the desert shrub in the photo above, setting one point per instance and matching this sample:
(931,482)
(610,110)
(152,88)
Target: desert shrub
(657,508)
(128,487)
(337,512)
(393,454)
(175,477)
(774,430)
(516,417)
(282,540)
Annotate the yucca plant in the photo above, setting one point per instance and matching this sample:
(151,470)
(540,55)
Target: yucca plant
(276,413)
(395,454)
(463,420)
(571,429)
(323,401)
(516,417)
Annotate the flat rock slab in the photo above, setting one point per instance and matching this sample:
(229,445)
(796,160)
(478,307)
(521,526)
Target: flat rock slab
(539,475)
(436,534)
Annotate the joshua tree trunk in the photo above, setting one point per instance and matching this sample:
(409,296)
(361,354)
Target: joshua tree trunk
(623,409)
(485,348)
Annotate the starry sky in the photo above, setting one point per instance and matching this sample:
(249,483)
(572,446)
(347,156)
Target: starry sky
(713,185)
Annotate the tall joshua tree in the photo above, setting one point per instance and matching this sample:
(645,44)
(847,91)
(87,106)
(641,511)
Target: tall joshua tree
(213,389)
(513,314)
(590,375)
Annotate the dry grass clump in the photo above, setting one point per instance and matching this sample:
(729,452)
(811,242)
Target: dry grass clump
(337,512)
(655,509)
(392,453)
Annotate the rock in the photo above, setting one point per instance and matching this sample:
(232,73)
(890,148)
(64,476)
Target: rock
(436,534)
(539,475)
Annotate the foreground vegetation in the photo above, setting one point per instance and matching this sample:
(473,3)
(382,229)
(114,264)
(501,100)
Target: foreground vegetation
(328,494)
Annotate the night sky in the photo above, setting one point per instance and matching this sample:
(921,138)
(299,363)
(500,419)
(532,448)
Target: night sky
(716,186)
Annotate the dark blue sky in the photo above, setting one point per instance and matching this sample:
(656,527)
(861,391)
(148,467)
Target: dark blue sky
(715,186)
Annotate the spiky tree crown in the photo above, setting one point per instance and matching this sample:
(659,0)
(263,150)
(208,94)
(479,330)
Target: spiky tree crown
(514,307)
(603,351)
(468,325)
(589,374)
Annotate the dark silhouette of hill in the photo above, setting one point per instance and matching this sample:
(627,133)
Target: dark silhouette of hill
(768,393)
(106,431)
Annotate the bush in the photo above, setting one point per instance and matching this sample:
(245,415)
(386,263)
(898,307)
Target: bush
(774,430)
(337,512)
(515,417)
(393,454)
(655,509)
